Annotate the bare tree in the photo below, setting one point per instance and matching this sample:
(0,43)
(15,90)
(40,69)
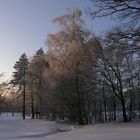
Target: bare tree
(72,50)
(128,13)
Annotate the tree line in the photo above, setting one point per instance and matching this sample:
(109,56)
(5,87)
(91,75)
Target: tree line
(84,78)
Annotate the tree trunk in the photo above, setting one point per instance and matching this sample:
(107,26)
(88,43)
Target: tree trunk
(139,110)
(132,97)
(23,111)
(130,107)
(32,102)
(100,112)
(124,111)
(40,97)
(104,102)
(24,92)
(80,118)
(95,112)
(114,110)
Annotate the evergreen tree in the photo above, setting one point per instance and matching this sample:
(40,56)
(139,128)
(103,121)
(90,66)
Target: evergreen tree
(39,52)
(19,77)
(36,79)
(33,76)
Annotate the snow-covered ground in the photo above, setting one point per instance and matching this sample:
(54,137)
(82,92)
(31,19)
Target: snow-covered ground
(14,128)
(101,132)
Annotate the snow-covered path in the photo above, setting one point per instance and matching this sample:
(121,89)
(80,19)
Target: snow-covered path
(18,129)
(12,128)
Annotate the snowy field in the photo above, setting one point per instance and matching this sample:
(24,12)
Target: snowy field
(14,128)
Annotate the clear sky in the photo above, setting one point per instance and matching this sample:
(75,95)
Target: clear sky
(25,24)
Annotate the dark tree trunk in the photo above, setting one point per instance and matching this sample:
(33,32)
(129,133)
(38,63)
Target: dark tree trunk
(100,112)
(80,118)
(124,111)
(109,110)
(95,112)
(139,110)
(37,111)
(54,115)
(32,103)
(24,92)
(40,97)
(23,111)
(104,102)
(89,110)
(62,113)
(114,110)
(130,107)
(132,99)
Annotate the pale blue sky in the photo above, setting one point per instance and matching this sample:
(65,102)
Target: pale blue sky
(25,24)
